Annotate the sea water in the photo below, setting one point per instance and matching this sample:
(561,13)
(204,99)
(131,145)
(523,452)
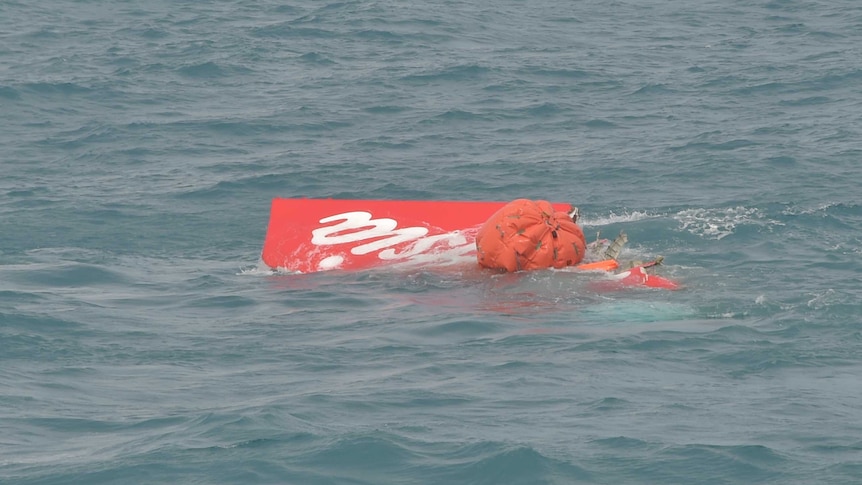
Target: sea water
(142,341)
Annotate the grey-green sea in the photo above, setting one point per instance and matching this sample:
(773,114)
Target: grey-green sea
(142,340)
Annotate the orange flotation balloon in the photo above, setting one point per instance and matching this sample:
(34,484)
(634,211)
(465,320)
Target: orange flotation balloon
(529,234)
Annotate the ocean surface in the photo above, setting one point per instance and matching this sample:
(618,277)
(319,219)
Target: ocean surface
(143,341)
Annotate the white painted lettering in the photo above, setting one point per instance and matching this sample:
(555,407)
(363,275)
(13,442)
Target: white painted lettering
(423,245)
(359,226)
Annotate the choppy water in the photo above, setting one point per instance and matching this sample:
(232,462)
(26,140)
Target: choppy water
(141,144)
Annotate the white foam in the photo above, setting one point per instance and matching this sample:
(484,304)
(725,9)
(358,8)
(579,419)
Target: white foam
(260,269)
(614,218)
(822,299)
(796,211)
(719,223)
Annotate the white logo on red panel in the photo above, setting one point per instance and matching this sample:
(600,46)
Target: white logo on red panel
(358,226)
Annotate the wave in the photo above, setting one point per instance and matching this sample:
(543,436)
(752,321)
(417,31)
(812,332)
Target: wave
(616,218)
(718,223)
